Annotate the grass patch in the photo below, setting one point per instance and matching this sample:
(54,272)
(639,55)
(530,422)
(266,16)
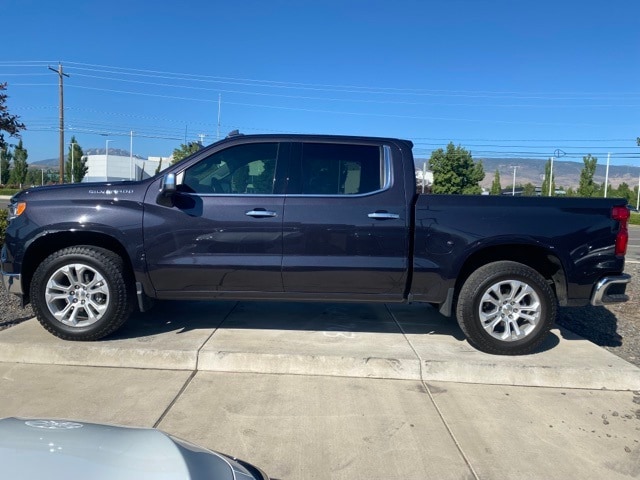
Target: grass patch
(9,191)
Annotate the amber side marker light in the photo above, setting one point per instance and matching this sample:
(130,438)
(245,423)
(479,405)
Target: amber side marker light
(18,209)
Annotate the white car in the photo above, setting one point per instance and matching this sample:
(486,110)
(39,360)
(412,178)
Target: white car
(63,449)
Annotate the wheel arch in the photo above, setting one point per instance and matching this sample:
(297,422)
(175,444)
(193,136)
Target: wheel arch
(539,258)
(45,245)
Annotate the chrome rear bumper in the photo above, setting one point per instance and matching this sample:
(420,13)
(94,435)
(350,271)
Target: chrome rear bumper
(610,290)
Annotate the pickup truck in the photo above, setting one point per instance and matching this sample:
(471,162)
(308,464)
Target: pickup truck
(310,218)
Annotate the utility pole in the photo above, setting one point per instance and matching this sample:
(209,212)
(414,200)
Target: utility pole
(61,75)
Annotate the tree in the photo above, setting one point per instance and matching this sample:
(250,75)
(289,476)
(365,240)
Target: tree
(20,165)
(496,188)
(528,190)
(184,151)
(454,171)
(5,165)
(159,167)
(623,191)
(8,123)
(548,175)
(34,176)
(79,162)
(587,187)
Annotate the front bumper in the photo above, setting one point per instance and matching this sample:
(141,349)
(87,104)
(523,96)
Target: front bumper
(610,290)
(11,281)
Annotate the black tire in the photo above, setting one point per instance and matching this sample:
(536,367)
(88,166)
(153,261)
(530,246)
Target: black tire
(81,293)
(506,308)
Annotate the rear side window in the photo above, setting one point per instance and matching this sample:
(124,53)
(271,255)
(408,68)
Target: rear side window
(243,169)
(340,169)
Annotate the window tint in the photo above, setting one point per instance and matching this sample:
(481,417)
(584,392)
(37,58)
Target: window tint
(336,169)
(241,169)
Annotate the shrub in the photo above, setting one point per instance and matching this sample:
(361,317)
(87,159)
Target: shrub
(4,213)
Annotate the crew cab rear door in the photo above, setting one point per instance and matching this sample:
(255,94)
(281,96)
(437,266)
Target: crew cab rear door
(222,231)
(346,222)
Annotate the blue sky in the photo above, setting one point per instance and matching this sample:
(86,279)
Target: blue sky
(501,78)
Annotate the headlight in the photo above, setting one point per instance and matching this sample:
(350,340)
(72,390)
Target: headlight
(17,209)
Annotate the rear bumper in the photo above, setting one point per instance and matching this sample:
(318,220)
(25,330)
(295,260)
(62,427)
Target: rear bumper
(610,290)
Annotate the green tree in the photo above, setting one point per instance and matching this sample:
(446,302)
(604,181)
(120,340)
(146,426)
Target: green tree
(184,151)
(548,175)
(34,176)
(20,165)
(528,190)
(454,171)
(624,191)
(587,187)
(5,165)
(496,188)
(75,157)
(8,123)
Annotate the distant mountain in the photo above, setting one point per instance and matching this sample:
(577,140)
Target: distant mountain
(565,173)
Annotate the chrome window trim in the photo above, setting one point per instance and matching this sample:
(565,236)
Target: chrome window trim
(386,177)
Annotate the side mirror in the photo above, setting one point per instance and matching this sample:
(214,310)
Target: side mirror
(168,186)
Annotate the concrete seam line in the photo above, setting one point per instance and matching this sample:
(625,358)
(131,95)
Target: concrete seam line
(175,399)
(433,401)
(212,333)
(193,373)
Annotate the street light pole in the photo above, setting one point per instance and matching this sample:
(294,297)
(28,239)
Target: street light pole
(106,160)
(606,176)
(513,190)
(131,157)
(551,176)
(73,147)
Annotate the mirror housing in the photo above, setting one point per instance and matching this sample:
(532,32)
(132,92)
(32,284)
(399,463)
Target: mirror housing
(167,190)
(168,186)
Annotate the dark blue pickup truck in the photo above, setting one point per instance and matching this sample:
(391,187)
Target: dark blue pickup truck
(310,217)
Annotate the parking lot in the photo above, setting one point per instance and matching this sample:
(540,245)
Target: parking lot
(327,391)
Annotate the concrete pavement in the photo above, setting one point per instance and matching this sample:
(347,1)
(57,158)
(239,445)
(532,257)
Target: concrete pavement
(326,391)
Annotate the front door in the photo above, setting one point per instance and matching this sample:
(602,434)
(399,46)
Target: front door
(223,232)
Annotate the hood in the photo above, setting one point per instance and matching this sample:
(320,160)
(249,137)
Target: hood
(43,448)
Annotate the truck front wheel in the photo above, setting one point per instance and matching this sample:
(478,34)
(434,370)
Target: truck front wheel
(81,293)
(506,308)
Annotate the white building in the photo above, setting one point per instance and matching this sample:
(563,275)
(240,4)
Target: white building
(113,168)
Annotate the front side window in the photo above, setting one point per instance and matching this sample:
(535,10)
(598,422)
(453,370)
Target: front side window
(340,169)
(243,169)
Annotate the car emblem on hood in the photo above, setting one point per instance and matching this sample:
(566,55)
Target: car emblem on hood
(53,425)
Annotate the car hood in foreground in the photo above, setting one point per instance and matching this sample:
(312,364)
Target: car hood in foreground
(41,448)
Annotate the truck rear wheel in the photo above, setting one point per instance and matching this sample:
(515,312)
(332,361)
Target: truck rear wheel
(506,308)
(81,293)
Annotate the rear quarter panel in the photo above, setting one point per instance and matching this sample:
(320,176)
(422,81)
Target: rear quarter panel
(451,229)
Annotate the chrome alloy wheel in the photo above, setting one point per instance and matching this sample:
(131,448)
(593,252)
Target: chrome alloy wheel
(510,310)
(77,295)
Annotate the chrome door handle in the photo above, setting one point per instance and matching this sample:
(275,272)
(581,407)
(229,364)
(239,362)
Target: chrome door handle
(256,212)
(383,215)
